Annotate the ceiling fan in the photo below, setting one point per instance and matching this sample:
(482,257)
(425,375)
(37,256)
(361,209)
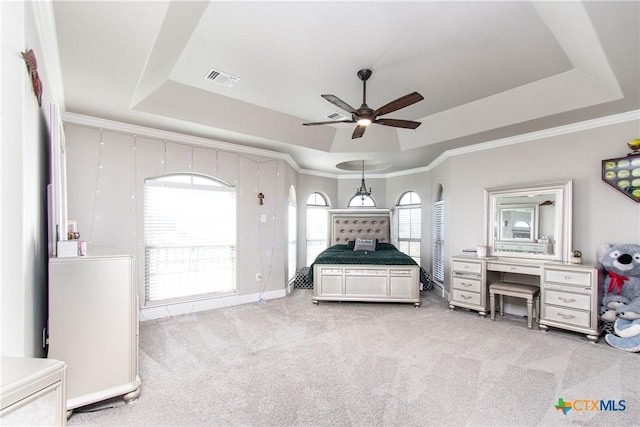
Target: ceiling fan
(364,115)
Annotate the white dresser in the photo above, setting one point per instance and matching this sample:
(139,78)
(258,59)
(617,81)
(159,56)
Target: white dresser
(33,392)
(93,325)
(570,294)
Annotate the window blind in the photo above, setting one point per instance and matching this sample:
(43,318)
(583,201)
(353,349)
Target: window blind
(409,231)
(438,242)
(292,227)
(317,231)
(190,237)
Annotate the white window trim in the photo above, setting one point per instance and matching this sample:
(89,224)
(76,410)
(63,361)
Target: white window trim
(195,182)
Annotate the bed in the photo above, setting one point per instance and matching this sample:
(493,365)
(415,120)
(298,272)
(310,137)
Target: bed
(384,274)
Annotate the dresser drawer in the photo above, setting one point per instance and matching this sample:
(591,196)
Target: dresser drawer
(466,297)
(466,284)
(564,299)
(569,277)
(514,268)
(466,267)
(566,315)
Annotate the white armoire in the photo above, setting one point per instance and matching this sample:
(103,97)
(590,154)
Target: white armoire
(93,325)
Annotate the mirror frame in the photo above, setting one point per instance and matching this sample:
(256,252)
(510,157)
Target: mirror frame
(563,217)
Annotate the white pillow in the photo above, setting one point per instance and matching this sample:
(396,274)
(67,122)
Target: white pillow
(365,244)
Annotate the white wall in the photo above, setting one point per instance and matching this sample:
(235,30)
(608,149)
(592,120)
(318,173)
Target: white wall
(23,178)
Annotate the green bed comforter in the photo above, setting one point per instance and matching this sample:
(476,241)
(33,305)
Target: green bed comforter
(385,254)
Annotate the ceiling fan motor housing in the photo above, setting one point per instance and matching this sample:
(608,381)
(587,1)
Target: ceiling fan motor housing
(364,75)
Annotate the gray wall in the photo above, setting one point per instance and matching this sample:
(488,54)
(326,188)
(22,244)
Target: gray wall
(106,173)
(24,176)
(600,213)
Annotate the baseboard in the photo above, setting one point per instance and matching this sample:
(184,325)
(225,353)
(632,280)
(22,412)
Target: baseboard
(188,307)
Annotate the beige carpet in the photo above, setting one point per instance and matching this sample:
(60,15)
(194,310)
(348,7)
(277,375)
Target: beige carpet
(288,362)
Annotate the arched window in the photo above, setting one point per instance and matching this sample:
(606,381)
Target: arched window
(317,226)
(189,237)
(409,217)
(292,233)
(362,202)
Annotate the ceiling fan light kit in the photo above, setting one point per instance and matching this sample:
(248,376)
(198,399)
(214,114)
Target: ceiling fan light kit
(364,115)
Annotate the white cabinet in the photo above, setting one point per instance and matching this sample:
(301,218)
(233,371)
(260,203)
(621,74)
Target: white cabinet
(33,392)
(93,325)
(468,284)
(570,298)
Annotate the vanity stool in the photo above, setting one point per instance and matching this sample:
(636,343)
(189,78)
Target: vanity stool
(529,292)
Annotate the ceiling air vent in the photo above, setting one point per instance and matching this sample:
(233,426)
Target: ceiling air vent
(221,78)
(337,116)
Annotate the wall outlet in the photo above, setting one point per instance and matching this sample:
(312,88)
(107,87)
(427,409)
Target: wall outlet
(263,218)
(258,277)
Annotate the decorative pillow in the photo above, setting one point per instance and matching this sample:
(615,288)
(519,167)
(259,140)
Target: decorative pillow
(351,244)
(365,244)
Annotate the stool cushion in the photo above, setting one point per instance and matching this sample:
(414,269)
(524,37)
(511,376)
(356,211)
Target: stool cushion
(496,287)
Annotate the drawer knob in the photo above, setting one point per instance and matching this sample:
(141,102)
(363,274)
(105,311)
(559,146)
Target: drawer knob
(567,277)
(566,300)
(463,296)
(466,285)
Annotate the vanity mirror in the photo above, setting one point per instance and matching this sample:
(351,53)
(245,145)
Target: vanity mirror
(530,221)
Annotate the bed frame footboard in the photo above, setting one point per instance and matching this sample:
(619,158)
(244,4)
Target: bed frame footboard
(367,283)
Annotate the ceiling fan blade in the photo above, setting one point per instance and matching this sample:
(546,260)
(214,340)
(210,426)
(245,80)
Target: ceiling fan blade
(358,132)
(339,103)
(397,123)
(403,101)
(330,122)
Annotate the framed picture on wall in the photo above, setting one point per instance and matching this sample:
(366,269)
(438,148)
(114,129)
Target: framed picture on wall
(623,174)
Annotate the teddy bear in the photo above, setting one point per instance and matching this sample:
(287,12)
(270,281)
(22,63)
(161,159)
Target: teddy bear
(620,308)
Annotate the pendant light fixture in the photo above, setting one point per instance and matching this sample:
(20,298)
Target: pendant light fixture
(362,192)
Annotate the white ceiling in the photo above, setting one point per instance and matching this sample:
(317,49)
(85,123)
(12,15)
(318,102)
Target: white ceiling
(487,70)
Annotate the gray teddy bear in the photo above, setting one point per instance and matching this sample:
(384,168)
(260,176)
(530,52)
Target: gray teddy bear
(621,295)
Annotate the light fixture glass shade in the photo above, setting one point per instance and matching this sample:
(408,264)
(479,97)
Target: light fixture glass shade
(364,122)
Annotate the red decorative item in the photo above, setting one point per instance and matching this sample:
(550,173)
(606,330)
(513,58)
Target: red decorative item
(617,281)
(32,66)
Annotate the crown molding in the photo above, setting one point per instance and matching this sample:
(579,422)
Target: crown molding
(126,128)
(488,145)
(517,139)
(94,122)
(527,137)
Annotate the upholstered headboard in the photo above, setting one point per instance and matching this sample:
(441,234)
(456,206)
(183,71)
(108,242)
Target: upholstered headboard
(347,226)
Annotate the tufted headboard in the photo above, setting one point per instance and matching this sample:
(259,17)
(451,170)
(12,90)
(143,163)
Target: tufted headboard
(347,226)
